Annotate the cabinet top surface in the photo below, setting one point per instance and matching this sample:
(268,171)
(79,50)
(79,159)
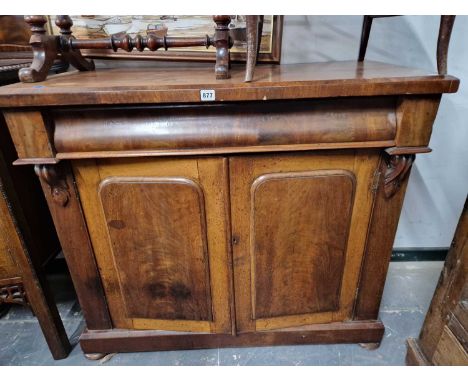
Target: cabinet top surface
(182,84)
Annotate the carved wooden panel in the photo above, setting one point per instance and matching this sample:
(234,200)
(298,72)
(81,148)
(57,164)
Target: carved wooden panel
(299,225)
(299,231)
(157,232)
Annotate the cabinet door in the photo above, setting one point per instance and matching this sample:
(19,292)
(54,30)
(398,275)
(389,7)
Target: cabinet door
(160,232)
(299,226)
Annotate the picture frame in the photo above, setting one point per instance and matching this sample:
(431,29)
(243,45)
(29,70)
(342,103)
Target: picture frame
(85,27)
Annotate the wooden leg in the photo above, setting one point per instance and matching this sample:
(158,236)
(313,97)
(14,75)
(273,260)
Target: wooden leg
(252,46)
(62,197)
(365,33)
(33,286)
(445,31)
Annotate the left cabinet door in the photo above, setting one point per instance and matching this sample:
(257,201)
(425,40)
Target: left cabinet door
(160,233)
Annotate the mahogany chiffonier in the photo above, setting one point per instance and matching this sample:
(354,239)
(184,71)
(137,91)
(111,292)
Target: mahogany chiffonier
(198,213)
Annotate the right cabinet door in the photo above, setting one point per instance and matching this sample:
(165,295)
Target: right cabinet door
(299,227)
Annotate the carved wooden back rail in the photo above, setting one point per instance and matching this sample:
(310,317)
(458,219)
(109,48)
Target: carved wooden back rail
(47,48)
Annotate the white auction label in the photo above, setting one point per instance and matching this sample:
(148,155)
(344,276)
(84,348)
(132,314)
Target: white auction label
(207,95)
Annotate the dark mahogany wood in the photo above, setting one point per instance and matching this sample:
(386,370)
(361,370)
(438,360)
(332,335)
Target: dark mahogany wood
(59,188)
(22,257)
(44,48)
(47,48)
(443,41)
(222,42)
(151,340)
(28,241)
(67,52)
(381,235)
(280,82)
(263,217)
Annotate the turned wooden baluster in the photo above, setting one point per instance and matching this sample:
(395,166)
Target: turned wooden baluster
(222,42)
(74,57)
(128,43)
(44,49)
(47,48)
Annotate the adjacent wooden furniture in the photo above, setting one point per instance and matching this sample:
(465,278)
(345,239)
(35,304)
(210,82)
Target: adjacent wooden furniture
(264,216)
(443,40)
(28,240)
(48,48)
(444,335)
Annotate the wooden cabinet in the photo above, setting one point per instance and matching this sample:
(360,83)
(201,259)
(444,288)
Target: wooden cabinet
(298,223)
(159,228)
(266,217)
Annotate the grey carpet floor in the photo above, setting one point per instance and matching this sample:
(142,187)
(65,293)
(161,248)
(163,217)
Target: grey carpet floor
(408,292)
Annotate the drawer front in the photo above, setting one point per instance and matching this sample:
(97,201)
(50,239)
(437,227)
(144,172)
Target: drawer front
(159,230)
(225,128)
(299,226)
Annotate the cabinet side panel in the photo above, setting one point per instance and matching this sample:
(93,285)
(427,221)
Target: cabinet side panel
(158,236)
(300,224)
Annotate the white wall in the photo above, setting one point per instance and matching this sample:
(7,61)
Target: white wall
(439,181)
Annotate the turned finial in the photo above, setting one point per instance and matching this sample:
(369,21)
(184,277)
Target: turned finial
(222,21)
(222,42)
(36,23)
(64,22)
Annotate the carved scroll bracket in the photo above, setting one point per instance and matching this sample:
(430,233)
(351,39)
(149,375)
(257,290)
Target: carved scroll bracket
(13,294)
(398,167)
(58,186)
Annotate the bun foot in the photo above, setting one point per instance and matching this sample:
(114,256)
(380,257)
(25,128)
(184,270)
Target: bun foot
(370,345)
(94,356)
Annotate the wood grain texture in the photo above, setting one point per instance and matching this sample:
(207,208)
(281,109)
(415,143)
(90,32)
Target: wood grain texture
(173,240)
(299,230)
(10,247)
(164,272)
(30,134)
(298,258)
(78,251)
(243,173)
(451,290)
(153,340)
(415,117)
(449,352)
(22,254)
(381,234)
(414,356)
(183,84)
(223,125)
